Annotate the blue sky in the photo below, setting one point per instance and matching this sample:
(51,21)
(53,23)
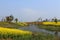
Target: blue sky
(30,10)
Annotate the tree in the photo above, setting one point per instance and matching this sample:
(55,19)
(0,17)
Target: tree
(46,20)
(39,19)
(52,19)
(16,20)
(56,32)
(9,18)
(55,20)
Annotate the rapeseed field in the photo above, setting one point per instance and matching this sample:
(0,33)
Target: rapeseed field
(51,23)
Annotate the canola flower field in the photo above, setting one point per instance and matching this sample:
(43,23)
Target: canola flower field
(51,26)
(13,33)
(16,34)
(51,23)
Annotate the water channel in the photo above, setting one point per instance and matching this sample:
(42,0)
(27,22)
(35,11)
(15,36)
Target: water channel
(34,28)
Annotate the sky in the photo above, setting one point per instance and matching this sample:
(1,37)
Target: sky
(30,10)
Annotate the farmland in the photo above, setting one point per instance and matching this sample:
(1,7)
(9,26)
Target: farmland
(6,33)
(52,26)
(15,34)
(51,23)
(9,33)
(13,24)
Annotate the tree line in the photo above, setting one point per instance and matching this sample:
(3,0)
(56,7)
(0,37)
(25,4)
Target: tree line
(10,19)
(48,20)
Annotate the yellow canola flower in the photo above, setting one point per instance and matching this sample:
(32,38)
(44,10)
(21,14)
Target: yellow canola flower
(51,23)
(13,31)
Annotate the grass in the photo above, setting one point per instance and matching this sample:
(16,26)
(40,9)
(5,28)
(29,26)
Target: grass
(13,25)
(15,34)
(22,24)
(52,26)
